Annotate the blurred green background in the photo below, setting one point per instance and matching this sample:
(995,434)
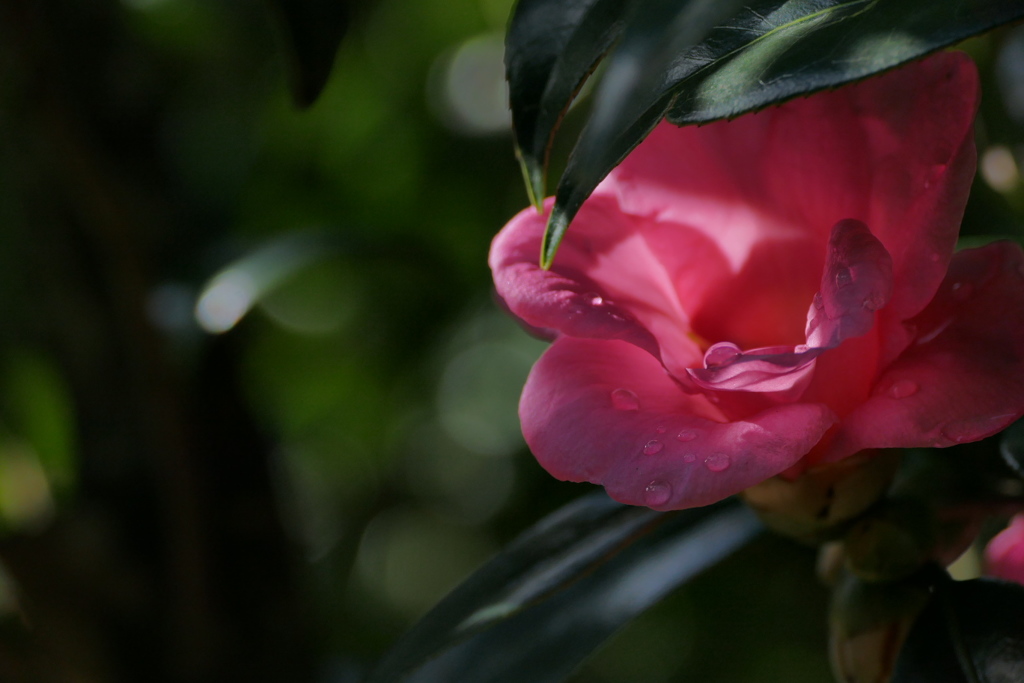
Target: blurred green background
(257,404)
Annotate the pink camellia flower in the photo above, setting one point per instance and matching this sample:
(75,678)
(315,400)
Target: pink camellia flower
(1004,555)
(753,297)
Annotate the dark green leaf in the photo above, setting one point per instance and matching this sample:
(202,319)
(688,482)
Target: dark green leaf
(540,560)
(766,53)
(631,100)
(550,50)
(1012,447)
(971,632)
(810,45)
(546,602)
(313,30)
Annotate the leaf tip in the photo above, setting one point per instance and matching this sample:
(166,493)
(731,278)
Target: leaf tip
(558,223)
(533,178)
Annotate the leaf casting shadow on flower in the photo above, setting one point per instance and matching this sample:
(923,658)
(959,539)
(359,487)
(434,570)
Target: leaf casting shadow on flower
(696,62)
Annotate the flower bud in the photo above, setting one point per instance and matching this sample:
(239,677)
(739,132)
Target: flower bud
(868,624)
(816,505)
(892,542)
(1004,556)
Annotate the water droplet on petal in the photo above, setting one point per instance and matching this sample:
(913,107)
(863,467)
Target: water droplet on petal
(686,435)
(624,399)
(659,429)
(941,157)
(902,388)
(962,291)
(689,457)
(720,354)
(844,278)
(873,301)
(962,431)
(932,334)
(957,431)
(594,298)
(653,447)
(657,493)
(718,462)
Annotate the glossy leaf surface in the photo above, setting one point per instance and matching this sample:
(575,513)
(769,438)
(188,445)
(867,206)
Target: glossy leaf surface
(971,632)
(547,601)
(550,50)
(1012,447)
(631,99)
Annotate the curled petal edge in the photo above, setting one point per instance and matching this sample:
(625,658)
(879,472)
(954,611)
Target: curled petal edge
(606,412)
(856,282)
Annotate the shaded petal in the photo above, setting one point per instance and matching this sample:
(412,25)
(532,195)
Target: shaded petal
(878,151)
(856,282)
(606,412)
(781,371)
(606,283)
(923,170)
(564,299)
(762,304)
(963,379)
(1004,555)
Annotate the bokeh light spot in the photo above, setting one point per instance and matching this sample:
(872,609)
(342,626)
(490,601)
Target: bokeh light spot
(226,300)
(467,87)
(999,168)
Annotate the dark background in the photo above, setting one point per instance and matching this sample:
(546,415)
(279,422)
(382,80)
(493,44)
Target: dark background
(257,406)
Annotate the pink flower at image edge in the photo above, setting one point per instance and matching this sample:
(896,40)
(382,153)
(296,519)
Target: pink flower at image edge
(753,297)
(1004,555)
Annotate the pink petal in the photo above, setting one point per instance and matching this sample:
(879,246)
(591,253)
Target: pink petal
(781,371)
(879,151)
(762,303)
(606,283)
(565,299)
(722,234)
(721,230)
(1004,555)
(606,412)
(856,282)
(924,170)
(963,379)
